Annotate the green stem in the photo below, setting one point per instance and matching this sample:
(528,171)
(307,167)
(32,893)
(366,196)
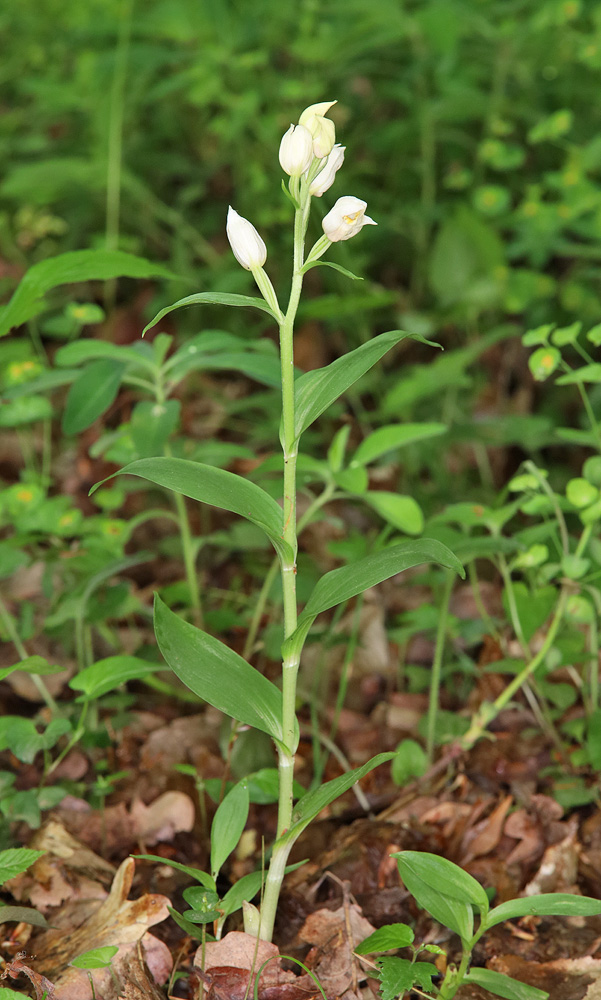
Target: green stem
(115,141)
(287,748)
(435,676)
(11,629)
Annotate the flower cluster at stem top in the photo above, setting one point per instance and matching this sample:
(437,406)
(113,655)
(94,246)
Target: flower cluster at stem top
(311,158)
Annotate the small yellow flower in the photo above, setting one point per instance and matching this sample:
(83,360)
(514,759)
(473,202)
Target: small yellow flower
(24,495)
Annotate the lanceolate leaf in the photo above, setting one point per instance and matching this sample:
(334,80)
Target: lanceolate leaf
(312,803)
(211,298)
(217,674)
(394,436)
(442,875)
(552,904)
(228,824)
(341,584)
(109,673)
(77,265)
(504,986)
(92,392)
(22,915)
(214,486)
(91,350)
(316,390)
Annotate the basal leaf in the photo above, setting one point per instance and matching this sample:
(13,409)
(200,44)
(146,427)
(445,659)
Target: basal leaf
(347,581)
(77,265)
(315,391)
(552,904)
(228,824)
(217,674)
(442,875)
(504,986)
(213,486)
(211,298)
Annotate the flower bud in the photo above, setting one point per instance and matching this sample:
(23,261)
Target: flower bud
(321,128)
(296,150)
(248,247)
(327,174)
(346,219)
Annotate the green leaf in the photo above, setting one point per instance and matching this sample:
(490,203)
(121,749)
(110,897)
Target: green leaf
(33,665)
(398,975)
(203,877)
(593,739)
(22,915)
(315,391)
(394,436)
(78,265)
(26,410)
(410,761)
(587,373)
(552,904)
(90,349)
(386,939)
(15,860)
(534,607)
(110,673)
(504,986)
(96,958)
(6,994)
(211,298)
(335,267)
(400,511)
(217,674)
(92,392)
(245,889)
(264,369)
(442,875)
(347,581)
(214,486)
(228,824)
(311,804)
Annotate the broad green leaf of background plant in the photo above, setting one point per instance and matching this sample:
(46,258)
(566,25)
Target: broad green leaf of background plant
(402,512)
(228,824)
(504,986)
(77,265)
(211,298)
(33,665)
(533,607)
(92,392)
(96,958)
(552,904)
(6,994)
(21,737)
(391,437)
(91,349)
(386,938)
(398,975)
(311,804)
(315,391)
(347,581)
(107,674)
(213,486)
(217,674)
(15,860)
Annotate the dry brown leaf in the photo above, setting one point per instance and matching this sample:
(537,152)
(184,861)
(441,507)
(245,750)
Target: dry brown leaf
(558,869)
(485,836)
(44,989)
(67,871)
(171,813)
(116,921)
(334,935)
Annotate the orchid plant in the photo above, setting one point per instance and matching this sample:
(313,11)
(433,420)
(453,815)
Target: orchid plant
(311,158)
